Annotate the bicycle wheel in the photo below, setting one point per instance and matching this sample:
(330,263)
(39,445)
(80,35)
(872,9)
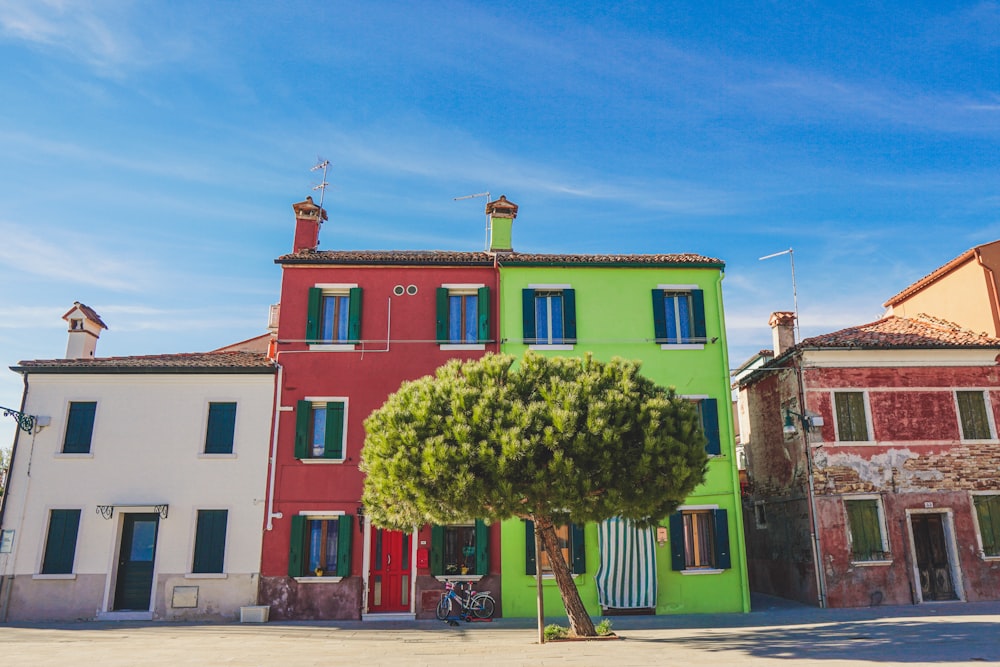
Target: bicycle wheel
(483,606)
(443,610)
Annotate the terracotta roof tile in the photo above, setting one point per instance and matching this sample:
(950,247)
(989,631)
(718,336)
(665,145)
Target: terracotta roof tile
(922,331)
(196,362)
(448,257)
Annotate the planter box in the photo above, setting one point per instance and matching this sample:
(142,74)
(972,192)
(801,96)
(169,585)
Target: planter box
(256,614)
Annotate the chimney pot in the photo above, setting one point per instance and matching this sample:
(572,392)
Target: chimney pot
(502,213)
(782,331)
(308,219)
(84,329)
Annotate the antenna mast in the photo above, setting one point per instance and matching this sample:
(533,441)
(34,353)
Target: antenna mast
(480,194)
(324,165)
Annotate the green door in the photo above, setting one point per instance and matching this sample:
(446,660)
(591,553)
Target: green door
(135,562)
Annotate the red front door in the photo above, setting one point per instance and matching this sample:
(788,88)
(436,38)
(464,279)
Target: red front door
(389,576)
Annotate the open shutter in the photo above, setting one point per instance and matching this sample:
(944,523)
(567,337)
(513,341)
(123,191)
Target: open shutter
(442,315)
(569,316)
(659,317)
(528,316)
(698,306)
(303,412)
(345,525)
(482,548)
(484,314)
(529,548)
(710,423)
(312,313)
(295,565)
(722,558)
(354,316)
(60,544)
(677,541)
(578,549)
(437,551)
(333,448)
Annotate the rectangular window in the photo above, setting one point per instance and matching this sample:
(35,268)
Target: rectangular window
(210,541)
(988,515)
(700,540)
(571,542)
(460,549)
(60,542)
(79,427)
(320,546)
(221,428)
(679,315)
(549,316)
(972,415)
(865,524)
(463,314)
(852,424)
(334,315)
(320,432)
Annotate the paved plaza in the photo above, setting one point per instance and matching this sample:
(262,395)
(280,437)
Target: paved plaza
(776,633)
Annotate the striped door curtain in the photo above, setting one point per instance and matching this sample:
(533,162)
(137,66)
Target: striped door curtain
(626,578)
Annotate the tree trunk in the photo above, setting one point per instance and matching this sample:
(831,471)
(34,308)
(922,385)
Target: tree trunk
(580,624)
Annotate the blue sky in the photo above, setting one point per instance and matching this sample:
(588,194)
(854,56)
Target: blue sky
(150,152)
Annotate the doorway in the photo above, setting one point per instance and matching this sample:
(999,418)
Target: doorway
(390,572)
(134,583)
(930,546)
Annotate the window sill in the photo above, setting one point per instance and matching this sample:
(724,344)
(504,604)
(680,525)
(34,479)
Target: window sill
(318,580)
(64,455)
(871,563)
(332,347)
(540,347)
(206,575)
(321,461)
(682,346)
(706,570)
(984,557)
(54,577)
(855,443)
(217,457)
(458,577)
(462,346)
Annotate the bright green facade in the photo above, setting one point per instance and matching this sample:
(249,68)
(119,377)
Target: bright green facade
(614,317)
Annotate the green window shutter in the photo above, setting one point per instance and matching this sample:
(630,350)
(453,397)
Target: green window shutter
(578,549)
(221,428)
(851,423)
(569,316)
(988,513)
(442,315)
(723,560)
(528,316)
(437,551)
(345,525)
(529,547)
(354,316)
(484,314)
(296,548)
(60,543)
(659,317)
(303,415)
(972,413)
(866,535)
(482,547)
(79,428)
(333,448)
(210,541)
(698,315)
(677,542)
(313,305)
(710,423)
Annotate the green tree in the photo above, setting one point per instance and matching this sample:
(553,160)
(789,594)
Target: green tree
(553,440)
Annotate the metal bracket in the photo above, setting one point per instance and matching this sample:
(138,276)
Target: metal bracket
(24,422)
(107,511)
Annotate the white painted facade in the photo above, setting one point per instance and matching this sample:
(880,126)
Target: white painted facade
(147,456)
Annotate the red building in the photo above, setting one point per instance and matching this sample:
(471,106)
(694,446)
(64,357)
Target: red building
(353,326)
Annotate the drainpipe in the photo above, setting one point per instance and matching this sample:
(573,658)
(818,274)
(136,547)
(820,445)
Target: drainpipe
(274,444)
(13,452)
(8,579)
(817,549)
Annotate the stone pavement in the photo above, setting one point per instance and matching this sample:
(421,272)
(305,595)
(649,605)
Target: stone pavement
(775,633)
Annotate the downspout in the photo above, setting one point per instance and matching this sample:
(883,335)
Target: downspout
(8,579)
(991,288)
(274,443)
(496,269)
(817,549)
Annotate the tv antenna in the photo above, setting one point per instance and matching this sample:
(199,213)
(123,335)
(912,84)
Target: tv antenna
(795,292)
(480,194)
(324,165)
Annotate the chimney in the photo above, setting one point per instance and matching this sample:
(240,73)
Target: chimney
(84,329)
(782,331)
(308,218)
(502,214)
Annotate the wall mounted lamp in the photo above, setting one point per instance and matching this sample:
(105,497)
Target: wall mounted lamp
(808,422)
(25,422)
(361,518)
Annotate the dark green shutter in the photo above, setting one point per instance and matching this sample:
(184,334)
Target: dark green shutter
(484,314)
(221,427)
(988,513)
(345,524)
(482,548)
(529,547)
(528,316)
(710,422)
(296,548)
(313,305)
(79,428)
(442,315)
(333,448)
(972,414)
(698,306)
(210,541)
(437,551)
(578,551)
(303,426)
(60,543)
(354,316)
(659,317)
(851,423)
(866,533)
(723,560)
(569,316)
(677,561)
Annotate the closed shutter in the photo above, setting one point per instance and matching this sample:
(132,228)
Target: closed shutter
(988,513)
(296,547)
(60,543)
(441,328)
(482,548)
(530,567)
(659,317)
(866,534)
(723,560)
(79,428)
(528,315)
(437,551)
(677,560)
(354,316)
(345,525)
(313,305)
(221,427)
(972,412)
(303,427)
(333,448)
(578,551)
(484,313)
(210,541)
(851,423)
(569,316)
(698,306)
(710,422)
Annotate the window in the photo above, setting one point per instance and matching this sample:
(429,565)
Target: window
(852,424)
(60,542)
(571,542)
(973,416)
(221,428)
(759,514)
(334,315)
(460,549)
(988,515)
(866,526)
(320,546)
(549,315)
(319,431)
(699,540)
(210,541)
(463,314)
(79,427)
(679,314)
(708,412)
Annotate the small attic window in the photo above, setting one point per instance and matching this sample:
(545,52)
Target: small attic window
(76,324)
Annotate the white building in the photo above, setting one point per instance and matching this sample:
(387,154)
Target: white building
(139,494)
